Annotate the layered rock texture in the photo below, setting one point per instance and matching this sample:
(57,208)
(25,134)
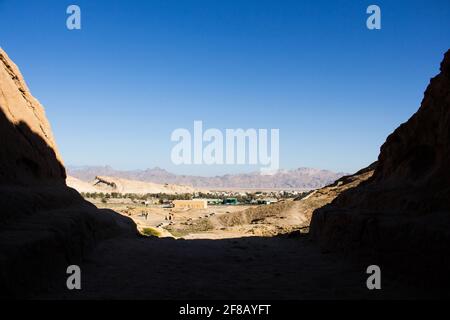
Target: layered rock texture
(29,152)
(44,225)
(400,217)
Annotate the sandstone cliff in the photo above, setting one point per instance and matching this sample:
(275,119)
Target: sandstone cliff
(400,218)
(44,225)
(29,152)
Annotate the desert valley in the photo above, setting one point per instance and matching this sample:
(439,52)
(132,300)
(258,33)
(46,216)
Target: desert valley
(301,234)
(172,210)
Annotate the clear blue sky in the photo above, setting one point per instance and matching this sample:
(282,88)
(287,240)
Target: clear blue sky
(115,90)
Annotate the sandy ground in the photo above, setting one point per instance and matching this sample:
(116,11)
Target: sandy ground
(244,268)
(222,264)
(157,216)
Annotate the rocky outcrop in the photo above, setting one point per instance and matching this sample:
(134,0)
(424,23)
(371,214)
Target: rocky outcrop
(103,184)
(400,218)
(29,152)
(323,196)
(44,225)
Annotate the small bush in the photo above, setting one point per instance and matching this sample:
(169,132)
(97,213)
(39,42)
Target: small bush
(151,232)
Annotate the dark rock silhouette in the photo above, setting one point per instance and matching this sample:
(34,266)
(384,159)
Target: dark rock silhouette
(400,218)
(44,225)
(29,153)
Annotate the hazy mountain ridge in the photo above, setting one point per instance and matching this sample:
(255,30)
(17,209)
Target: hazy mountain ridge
(305,178)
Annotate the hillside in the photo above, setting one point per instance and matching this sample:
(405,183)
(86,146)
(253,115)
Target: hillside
(323,196)
(111,184)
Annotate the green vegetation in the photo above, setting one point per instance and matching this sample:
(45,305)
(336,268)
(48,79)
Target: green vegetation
(247,198)
(151,232)
(303,195)
(134,196)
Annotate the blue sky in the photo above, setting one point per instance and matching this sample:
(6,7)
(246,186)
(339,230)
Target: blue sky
(115,90)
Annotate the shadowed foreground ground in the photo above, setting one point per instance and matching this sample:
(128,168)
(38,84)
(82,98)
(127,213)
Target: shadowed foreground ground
(244,268)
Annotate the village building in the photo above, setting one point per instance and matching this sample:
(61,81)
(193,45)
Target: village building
(190,204)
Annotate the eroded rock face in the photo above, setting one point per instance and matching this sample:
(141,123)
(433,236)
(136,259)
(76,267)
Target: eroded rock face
(44,225)
(401,216)
(28,153)
(321,197)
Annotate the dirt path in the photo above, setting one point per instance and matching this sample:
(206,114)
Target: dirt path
(244,268)
(292,217)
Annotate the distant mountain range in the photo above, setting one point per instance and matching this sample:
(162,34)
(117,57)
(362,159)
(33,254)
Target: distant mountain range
(301,178)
